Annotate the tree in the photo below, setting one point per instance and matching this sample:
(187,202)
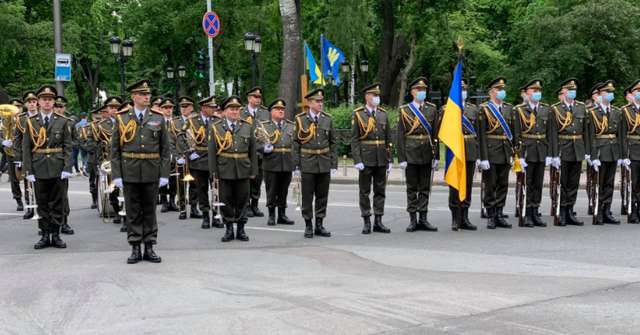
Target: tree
(291,67)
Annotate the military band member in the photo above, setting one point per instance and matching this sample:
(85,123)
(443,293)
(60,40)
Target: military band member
(180,125)
(198,132)
(46,154)
(418,152)
(277,162)
(572,123)
(88,142)
(631,113)
(608,131)
(460,209)
(60,107)
(495,135)
(168,192)
(140,165)
(155,103)
(31,105)
(105,129)
(371,150)
(233,161)
(315,160)
(7,146)
(255,112)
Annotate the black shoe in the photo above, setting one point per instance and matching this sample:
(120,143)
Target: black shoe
(320,230)
(123,228)
(308,230)
(28,214)
(94,205)
(182,215)
(501,213)
(537,219)
(249,211)
(150,255)
(164,208)
(240,234)
(483,213)
(466,224)
(206,224)
(20,206)
(66,229)
(94,201)
(413,223)
(562,217)
(172,205)
(216,223)
(254,208)
(571,218)
(117,219)
(607,217)
(632,218)
(528,218)
(282,217)
(195,213)
(454,219)
(499,220)
(271,221)
(378,226)
(43,242)
(136,254)
(366,229)
(423,224)
(57,242)
(228,234)
(491,222)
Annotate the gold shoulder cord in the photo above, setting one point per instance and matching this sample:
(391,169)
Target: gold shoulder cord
(173,128)
(408,120)
(222,144)
(528,124)
(128,131)
(94,131)
(601,126)
(371,125)
(84,133)
(563,121)
(275,137)
(19,125)
(249,119)
(104,134)
(41,136)
(493,123)
(200,134)
(311,132)
(636,121)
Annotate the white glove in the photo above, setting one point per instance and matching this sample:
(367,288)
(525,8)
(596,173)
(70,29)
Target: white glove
(31,178)
(333,172)
(389,167)
(587,158)
(523,163)
(268,148)
(548,161)
(180,161)
(484,165)
(434,164)
(403,165)
(164,182)
(555,162)
(619,162)
(596,164)
(18,164)
(359,166)
(65,175)
(626,162)
(7,143)
(477,163)
(296,173)
(118,183)
(194,156)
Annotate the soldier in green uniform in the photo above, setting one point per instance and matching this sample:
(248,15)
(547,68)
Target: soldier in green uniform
(254,112)
(180,125)
(105,129)
(537,147)
(7,146)
(168,192)
(631,149)
(233,161)
(315,160)
(572,123)
(46,154)
(140,165)
(277,161)
(31,104)
(87,141)
(60,107)
(460,209)
(495,135)
(418,152)
(371,150)
(607,133)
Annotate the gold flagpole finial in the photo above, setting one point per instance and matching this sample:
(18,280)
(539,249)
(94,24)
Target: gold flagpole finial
(460,44)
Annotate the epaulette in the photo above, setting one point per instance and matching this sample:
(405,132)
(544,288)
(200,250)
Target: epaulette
(34,115)
(244,120)
(264,107)
(359,109)
(218,121)
(21,114)
(544,104)
(62,116)
(382,109)
(289,121)
(124,110)
(430,103)
(300,114)
(265,121)
(579,102)
(556,104)
(326,114)
(194,116)
(156,111)
(176,117)
(507,104)
(521,105)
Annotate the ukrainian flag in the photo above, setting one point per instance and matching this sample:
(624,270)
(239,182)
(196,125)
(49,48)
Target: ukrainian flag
(453,138)
(315,74)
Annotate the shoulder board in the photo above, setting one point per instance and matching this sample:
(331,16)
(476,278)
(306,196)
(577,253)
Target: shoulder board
(404,106)
(521,105)
(326,114)
(194,116)
(156,111)
(508,104)
(430,103)
(263,107)
(579,102)
(34,115)
(176,118)
(62,116)
(265,121)
(243,120)
(289,121)
(217,121)
(126,110)
(382,109)
(22,114)
(301,114)
(556,104)
(359,109)
(544,104)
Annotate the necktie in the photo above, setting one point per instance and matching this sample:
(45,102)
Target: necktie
(280,125)
(233,127)
(140,116)
(46,122)
(206,122)
(315,118)
(373,113)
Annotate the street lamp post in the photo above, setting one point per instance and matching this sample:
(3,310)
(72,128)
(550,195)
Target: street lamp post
(344,67)
(123,50)
(364,68)
(253,44)
(171,75)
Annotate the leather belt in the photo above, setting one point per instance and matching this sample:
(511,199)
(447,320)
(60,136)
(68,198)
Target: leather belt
(418,137)
(497,137)
(315,151)
(373,142)
(281,150)
(141,155)
(469,137)
(243,155)
(634,137)
(534,136)
(609,136)
(48,151)
(570,137)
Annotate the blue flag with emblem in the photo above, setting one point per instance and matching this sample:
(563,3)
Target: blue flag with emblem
(332,59)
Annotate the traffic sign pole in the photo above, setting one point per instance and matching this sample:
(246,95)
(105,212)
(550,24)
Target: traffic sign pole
(212,86)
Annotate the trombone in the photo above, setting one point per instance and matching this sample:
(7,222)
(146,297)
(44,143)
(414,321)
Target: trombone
(297,192)
(32,201)
(215,197)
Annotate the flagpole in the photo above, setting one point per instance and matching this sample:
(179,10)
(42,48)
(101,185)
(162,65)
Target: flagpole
(322,81)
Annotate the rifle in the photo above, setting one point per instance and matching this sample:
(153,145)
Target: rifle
(589,189)
(595,195)
(483,210)
(625,190)
(521,189)
(554,189)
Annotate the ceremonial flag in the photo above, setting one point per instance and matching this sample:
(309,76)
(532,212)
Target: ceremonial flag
(332,59)
(455,173)
(315,74)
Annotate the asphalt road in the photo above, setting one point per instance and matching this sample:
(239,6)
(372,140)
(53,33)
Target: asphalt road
(571,280)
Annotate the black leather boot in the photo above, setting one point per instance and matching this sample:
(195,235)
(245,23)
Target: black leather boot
(228,234)
(491,222)
(501,214)
(282,217)
(44,240)
(240,233)
(466,223)
(195,213)
(308,229)
(500,222)
(413,222)
(562,217)
(271,221)
(28,214)
(632,218)
(366,228)
(423,224)
(183,213)
(164,203)
(320,230)
(215,221)
(254,208)
(94,200)
(528,218)
(454,218)
(136,254)
(537,218)
(378,226)
(599,219)
(149,254)
(571,218)
(56,241)
(172,204)
(607,216)
(66,229)
(206,224)
(249,211)
(123,228)
(20,205)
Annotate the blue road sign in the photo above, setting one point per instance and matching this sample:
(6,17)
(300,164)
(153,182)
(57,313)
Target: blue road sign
(211,24)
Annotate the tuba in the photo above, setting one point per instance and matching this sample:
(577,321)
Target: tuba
(8,114)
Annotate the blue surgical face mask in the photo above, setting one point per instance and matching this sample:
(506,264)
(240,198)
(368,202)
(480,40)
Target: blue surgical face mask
(501,95)
(464,95)
(536,96)
(637,96)
(376,101)
(571,94)
(599,99)
(421,95)
(610,96)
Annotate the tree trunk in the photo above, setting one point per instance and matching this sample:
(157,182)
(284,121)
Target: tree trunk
(393,51)
(291,55)
(404,74)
